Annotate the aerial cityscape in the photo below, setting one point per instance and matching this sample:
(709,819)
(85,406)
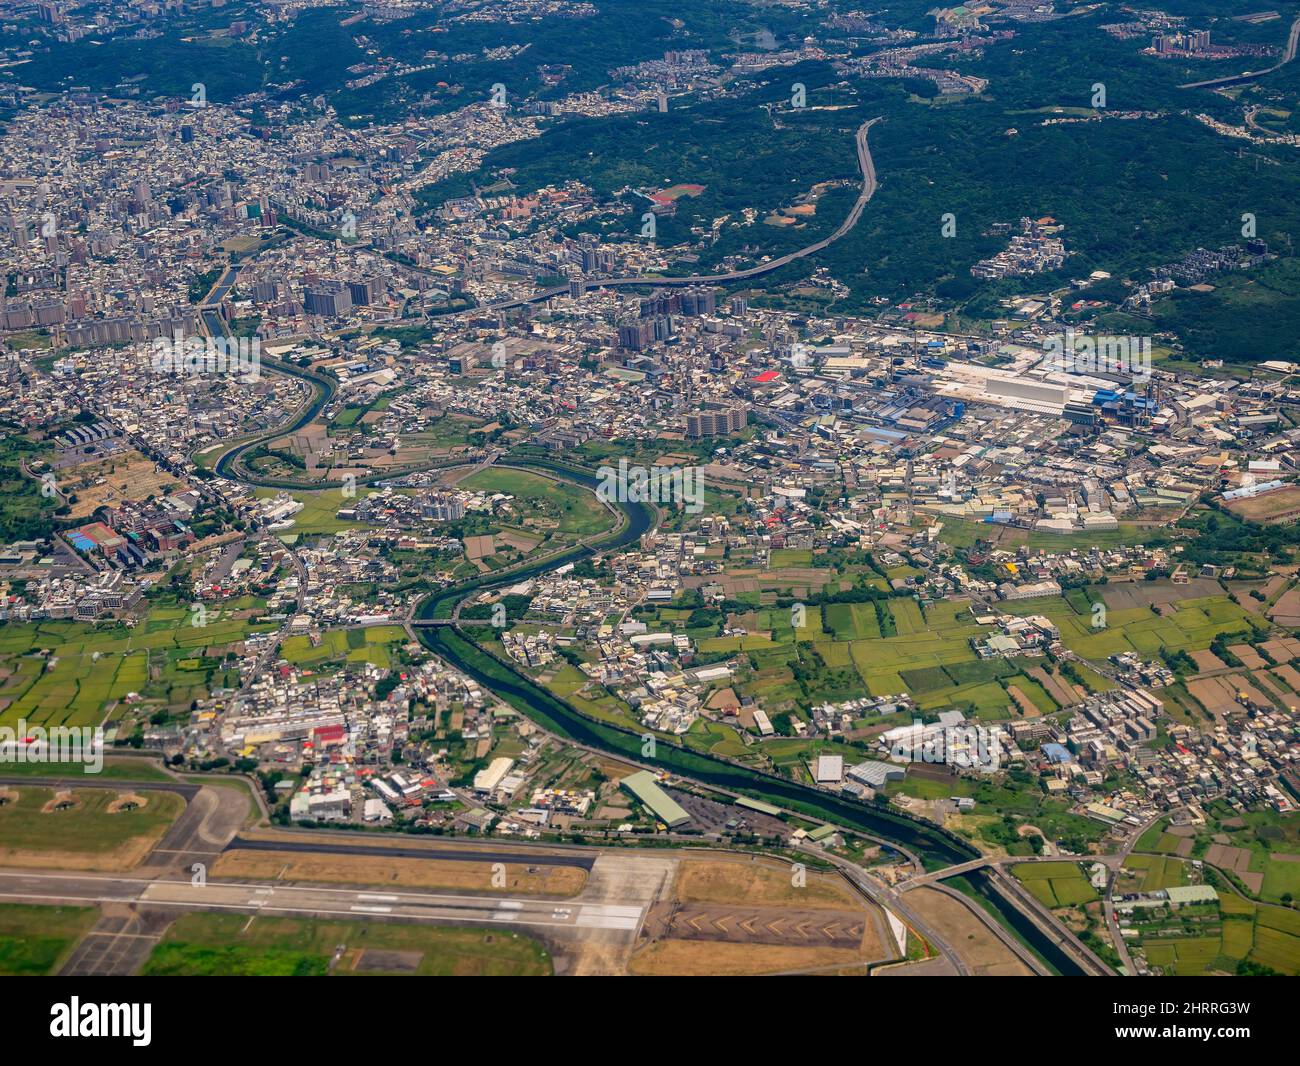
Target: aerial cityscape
(619,487)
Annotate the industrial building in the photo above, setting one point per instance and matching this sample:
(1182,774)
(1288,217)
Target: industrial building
(645,788)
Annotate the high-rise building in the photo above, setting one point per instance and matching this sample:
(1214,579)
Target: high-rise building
(716,423)
(328,298)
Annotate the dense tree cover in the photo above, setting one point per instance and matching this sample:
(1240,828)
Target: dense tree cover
(26,512)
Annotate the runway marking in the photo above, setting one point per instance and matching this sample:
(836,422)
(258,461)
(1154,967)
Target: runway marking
(284,899)
(434,899)
(307,908)
(135,936)
(187,851)
(372,910)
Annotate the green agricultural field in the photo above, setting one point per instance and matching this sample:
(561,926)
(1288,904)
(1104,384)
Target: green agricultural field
(963,533)
(852,621)
(1158,871)
(790,557)
(1191,626)
(929,656)
(70,673)
(374,644)
(34,940)
(1056,884)
(1277,939)
(233,945)
(1272,840)
(1196,940)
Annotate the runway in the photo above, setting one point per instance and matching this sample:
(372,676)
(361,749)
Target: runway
(143,894)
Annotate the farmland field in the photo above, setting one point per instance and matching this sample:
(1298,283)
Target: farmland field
(1196,940)
(1056,884)
(70,673)
(373,644)
(1190,625)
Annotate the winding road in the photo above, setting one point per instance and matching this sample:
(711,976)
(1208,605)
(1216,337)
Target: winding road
(869,185)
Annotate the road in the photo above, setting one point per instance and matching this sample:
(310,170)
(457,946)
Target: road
(1288,54)
(1108,903)
(1082,955)
(869,185)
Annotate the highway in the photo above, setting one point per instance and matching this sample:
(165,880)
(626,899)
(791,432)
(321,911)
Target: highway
(1288,54)
(1108,901)
(1027,904)
(869,185)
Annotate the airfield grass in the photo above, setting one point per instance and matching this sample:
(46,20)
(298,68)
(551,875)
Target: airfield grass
(119,769)
(86,835)
(232,945)
(35,939)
